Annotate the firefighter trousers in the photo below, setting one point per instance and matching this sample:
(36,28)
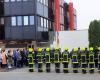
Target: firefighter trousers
(40,65)
(57,67)
(48,67)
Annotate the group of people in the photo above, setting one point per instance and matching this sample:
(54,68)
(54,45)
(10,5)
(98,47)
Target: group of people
(79,57)
(12,58)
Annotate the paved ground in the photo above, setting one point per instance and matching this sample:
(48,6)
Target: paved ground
(23,74)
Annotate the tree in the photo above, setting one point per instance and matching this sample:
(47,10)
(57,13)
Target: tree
(94,33)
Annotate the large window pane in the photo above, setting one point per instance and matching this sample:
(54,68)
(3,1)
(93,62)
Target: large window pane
(13,0)
(31,20)
(2,21)
(13,21)
(19,0)
(41,21)
(41,1)
(19,20)
(6,0)
(25,20)
(25,0)
(46,3)
(45,23)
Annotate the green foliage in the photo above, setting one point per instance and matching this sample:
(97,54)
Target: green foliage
(94,33)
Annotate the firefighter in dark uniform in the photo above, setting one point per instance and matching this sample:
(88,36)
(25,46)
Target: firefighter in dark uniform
(52,55)
(31,60)
(99,59)
(40,60)
(91,60)
(87,56)
(47,59)
(57,60)
(75,60)
(83,61)
(79,56)
(60,55)
(96,57)
(66,58)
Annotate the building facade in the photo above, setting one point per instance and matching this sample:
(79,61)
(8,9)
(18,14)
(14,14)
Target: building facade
(31,20)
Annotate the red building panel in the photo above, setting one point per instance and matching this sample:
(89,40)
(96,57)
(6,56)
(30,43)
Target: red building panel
(71,16)
(57,15)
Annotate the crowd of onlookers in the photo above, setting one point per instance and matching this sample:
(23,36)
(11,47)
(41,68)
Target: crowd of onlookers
(12,58)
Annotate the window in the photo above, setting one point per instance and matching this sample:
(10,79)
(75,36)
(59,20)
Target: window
(19,20)
(41,1)
(62,28)
(45,23)
(13,0)
(6,0)
(19,0)
(41,22)
(61,10)
(31,20)
(46,3)
(26,20)
(2,21)
(38,0)
(25,0)
(13,21)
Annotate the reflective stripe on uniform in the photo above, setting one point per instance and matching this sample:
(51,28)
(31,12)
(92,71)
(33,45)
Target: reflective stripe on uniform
(31,68)
(48,62)
(91,62)
(30,63)
(57,61)
(40,68)
(91,68)
(83,68)
(65,69)
(75,68)
(40,62)
(66,61)
(74,62)
(84,63)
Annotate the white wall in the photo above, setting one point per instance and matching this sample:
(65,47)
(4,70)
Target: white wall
(72,39)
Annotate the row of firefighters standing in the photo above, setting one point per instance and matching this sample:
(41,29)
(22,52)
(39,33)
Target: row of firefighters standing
(85,60)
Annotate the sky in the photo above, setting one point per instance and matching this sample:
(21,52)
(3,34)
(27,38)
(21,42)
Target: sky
(87,11)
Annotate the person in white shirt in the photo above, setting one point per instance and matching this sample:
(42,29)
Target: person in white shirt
(0,59)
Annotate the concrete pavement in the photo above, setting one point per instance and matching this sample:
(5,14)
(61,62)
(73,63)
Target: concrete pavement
(23,74)
(47,76)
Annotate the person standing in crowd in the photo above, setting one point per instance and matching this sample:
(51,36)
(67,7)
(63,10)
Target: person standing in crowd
(0,59)
(79,56)
(43,53)
(18,58)
(35,56)
(25,52)
(96,57)
(9,61)
(4,59)
(15,58)
(22,57)
(87,55)
(52,55)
